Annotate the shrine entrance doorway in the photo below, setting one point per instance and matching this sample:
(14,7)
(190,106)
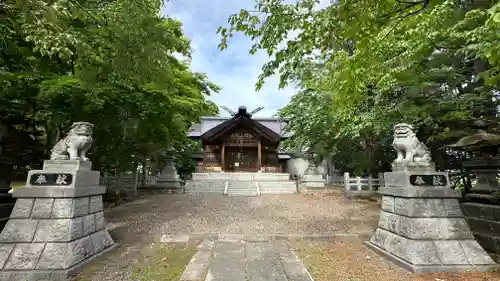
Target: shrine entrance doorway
(244,159)
(241,152)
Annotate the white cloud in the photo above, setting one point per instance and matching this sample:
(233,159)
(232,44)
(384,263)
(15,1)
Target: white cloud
(234,68)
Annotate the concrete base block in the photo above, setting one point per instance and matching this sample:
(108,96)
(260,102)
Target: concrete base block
(51,274)
(415,268)
(422,228)
(311,182)
(54,230)
(170,184)
(66,165)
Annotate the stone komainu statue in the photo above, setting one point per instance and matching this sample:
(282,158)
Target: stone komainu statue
(410,150)
(76,144)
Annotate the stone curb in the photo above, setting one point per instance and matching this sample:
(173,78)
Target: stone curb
(199,263)
(185,238)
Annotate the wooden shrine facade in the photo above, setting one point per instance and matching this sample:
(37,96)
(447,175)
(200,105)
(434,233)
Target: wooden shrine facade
(240,144)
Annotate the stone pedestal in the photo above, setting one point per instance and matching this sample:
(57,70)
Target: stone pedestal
(311,166)
(311,182)
(57,223)
(168,178)
(311,179)
(484,221)
(421,226)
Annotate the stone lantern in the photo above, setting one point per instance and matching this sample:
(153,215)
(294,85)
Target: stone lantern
(484,163)
(168,178)
(482,209)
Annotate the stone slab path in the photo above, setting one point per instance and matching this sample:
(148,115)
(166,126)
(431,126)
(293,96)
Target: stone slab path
(245,260)
(171,218)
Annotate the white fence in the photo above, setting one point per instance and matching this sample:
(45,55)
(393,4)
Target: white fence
(359,184)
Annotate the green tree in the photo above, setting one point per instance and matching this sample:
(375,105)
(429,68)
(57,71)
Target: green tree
(112,63)
(363,66)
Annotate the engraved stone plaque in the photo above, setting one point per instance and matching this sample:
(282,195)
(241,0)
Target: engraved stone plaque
(43,179)
(428,180)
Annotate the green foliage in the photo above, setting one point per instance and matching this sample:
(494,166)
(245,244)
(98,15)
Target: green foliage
(184,162)
(112,63)
(363,66)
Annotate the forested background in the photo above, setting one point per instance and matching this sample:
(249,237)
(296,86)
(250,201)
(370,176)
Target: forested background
(115,64)
(362,66)
(359,67)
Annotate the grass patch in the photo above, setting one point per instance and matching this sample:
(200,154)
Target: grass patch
(151,262)
(162,262)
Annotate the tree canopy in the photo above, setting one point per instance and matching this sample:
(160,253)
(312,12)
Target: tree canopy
(116,64)
(363,66)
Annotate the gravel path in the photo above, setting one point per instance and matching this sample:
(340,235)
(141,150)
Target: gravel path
(287,214)
(137,224)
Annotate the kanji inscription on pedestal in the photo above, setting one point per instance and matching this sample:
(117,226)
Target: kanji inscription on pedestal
(51,179)
(428,180)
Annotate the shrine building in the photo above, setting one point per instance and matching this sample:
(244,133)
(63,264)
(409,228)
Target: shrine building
(240,143)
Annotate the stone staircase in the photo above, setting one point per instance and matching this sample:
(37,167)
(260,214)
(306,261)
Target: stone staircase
(205,186)
(275,183)
(274,177)
(284,187)
(242,188)
(240,184)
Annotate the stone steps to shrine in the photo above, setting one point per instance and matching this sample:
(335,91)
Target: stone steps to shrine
(283,187)
(271,177)
(241,176)
(241,184)
(205,186)
(242,188)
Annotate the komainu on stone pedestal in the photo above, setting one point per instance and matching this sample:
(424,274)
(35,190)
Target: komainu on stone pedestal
(421,226)
(411,152)
(76,144)
(57,224)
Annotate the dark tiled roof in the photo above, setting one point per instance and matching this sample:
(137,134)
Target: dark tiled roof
(207,123)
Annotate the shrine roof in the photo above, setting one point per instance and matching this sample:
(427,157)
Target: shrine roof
(209,122)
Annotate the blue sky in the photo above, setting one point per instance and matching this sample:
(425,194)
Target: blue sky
(234,69)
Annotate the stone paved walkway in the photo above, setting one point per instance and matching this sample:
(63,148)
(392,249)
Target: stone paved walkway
(245,260)
(158,217)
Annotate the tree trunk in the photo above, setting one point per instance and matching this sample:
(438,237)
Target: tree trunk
(144,171)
